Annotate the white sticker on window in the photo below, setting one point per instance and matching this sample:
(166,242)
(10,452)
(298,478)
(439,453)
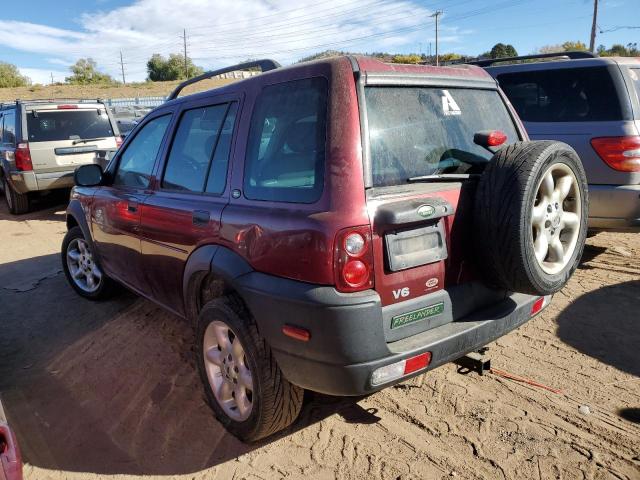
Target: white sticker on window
(449,105)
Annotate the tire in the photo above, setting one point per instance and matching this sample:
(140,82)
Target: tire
(18,203)
(104,288)
(275,403)
(512,224)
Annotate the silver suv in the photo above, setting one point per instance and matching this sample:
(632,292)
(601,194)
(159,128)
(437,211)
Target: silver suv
(42,142)
(593,104)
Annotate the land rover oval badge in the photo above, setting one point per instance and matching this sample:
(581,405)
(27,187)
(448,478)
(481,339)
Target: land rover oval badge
(426,211)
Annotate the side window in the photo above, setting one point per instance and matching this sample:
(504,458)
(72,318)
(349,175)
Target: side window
(286,147)
(217,179)
(9,129)
(635,78)
(563,95)
(193,147)
(136,162)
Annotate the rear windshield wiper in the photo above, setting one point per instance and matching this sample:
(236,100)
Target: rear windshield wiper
(85,140)
(444,177)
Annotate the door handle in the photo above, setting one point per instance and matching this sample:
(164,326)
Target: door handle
(132,207)
(200,217)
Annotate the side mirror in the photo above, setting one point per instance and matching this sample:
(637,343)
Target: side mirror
(489,139)
(88,175)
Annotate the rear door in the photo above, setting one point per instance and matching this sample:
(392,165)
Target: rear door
(422,230)
(62,137)
(184,210)
(574,105)
(115,216)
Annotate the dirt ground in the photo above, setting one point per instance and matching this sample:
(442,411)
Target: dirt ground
(105,391)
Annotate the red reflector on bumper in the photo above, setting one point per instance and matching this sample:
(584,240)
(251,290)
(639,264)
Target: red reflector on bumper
(537,306)
(416,363)
(296,333)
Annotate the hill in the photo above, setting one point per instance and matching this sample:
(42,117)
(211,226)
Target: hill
(146,89)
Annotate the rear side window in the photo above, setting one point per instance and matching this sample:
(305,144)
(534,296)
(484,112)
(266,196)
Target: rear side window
(416,131)
(136,162)
(286,149)
(9,131)
(197,138)
(563,95)
(635,78)
(49,126)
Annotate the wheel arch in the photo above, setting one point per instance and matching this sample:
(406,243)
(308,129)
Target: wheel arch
(211,271)
(76,217)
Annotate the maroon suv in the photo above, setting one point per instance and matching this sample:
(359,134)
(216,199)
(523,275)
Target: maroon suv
(339,226)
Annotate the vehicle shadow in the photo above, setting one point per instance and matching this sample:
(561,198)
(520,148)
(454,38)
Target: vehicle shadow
(604,324)
(111,387)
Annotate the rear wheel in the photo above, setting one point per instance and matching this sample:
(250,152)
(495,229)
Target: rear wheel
(242,380)
(531,217)
(18,203)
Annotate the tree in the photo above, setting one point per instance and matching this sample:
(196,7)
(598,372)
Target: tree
(411,58)
(161,69)
(10,76)
(619,50)
(500,50)
(577,46)
(85,73)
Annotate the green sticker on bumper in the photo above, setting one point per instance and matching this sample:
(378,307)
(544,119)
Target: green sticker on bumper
(417,315)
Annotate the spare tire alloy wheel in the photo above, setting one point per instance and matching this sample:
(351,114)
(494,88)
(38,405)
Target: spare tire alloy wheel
(530,220)
(227,371)
(82,267)
(555,218)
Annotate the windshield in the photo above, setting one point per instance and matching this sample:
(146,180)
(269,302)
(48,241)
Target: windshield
(416,131)
(47,126)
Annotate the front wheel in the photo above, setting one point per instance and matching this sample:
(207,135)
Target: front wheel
(81,269)
(242,381)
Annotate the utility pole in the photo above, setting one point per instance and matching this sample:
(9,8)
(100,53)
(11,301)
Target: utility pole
(436,15)
(51,78)
(592,43)
(186,69)
(122,67)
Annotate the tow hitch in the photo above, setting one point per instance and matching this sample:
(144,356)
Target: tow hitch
(474,362)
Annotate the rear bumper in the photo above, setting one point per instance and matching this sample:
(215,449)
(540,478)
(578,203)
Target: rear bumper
(24,182)
(614,207)
(347,340)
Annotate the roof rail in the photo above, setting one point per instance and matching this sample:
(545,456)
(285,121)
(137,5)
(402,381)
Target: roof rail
(571,55)
(265,65)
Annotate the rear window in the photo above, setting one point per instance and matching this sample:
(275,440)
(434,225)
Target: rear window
(415,131)
(563,95)
(48,126)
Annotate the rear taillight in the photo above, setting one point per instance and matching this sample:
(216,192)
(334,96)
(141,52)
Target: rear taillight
(118,142)
(353,259)
(23,157)
(620,153)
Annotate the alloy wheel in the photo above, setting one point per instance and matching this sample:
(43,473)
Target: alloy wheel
(556,218)
(227,370)
(82,267)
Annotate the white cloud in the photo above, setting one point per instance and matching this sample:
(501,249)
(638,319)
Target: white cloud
(43,75)
(220,32)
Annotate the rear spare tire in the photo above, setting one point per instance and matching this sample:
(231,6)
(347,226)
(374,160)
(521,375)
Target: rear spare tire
(530,217)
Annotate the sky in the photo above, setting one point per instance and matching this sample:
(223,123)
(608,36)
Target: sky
(43,37)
